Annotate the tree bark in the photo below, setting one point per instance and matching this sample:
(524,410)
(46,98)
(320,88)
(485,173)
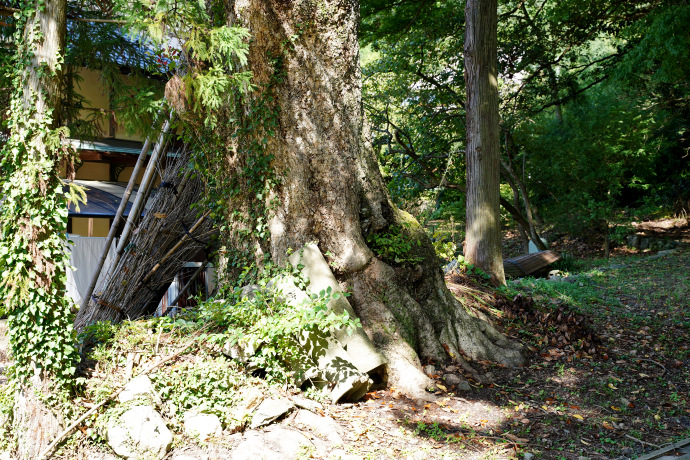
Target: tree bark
(483,233)
(331,190)
(39,96)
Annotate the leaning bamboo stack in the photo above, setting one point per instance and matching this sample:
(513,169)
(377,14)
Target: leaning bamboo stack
(529,263)
(171,233)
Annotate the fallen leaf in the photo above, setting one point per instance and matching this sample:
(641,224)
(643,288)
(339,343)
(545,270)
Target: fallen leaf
(612,386)
(441,387)
(578,416)
(615,408)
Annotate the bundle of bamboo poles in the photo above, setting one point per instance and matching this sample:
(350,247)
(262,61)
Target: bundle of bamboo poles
(171,233)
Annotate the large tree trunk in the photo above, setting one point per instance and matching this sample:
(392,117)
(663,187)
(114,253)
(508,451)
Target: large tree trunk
(331,190)
(31,224)
(483,233)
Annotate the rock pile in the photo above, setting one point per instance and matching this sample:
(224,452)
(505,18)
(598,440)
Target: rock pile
(139,431)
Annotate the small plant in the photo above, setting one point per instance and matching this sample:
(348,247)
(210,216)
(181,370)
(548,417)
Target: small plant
(271,327)
(207,386)
(393,246)
(432,430)
(471,269)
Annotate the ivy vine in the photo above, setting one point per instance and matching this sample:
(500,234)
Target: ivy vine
(33,220)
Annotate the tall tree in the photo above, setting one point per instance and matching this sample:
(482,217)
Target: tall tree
(33,220)
(483,234)
(330,190)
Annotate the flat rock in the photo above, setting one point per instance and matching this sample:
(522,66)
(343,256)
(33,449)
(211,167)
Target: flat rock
(324,427)
(137,387)
(308,404)
(270,410)
(276,444)
(251,398)
(203,426)
(139,433)
(207,452)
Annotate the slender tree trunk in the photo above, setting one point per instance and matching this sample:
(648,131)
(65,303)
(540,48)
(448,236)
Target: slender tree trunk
(331,190)
(519,186)
(483,234)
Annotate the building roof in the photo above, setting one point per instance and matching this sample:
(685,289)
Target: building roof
(108,145)
(103,199)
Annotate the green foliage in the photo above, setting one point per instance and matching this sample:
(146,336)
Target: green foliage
(207,385)
(394,245)
(621,144)
(445,250)
(583,167)
(7,393)
(472,270)
(234,161)
(432,430)
(272,327)
(33,217)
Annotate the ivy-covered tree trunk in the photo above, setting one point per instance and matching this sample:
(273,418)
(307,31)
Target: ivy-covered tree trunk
(483,234)
(331,191)
(33,220)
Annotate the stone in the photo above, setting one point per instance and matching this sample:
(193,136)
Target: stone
(666,252)
(449,267)
(138,387)
(243,351)
(458,382)
(203,426)
(324,427)
(249,291)
(644,243)
(91,456)
(251,398)
(430,370)
(451,379)
(361,352)
(277,444)
(308,404)
(633,241)
(270,410)
(139,432)
(528,456)
(201,452)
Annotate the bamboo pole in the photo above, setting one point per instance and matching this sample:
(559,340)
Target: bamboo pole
(116,221)
(140,201)
(172,251)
